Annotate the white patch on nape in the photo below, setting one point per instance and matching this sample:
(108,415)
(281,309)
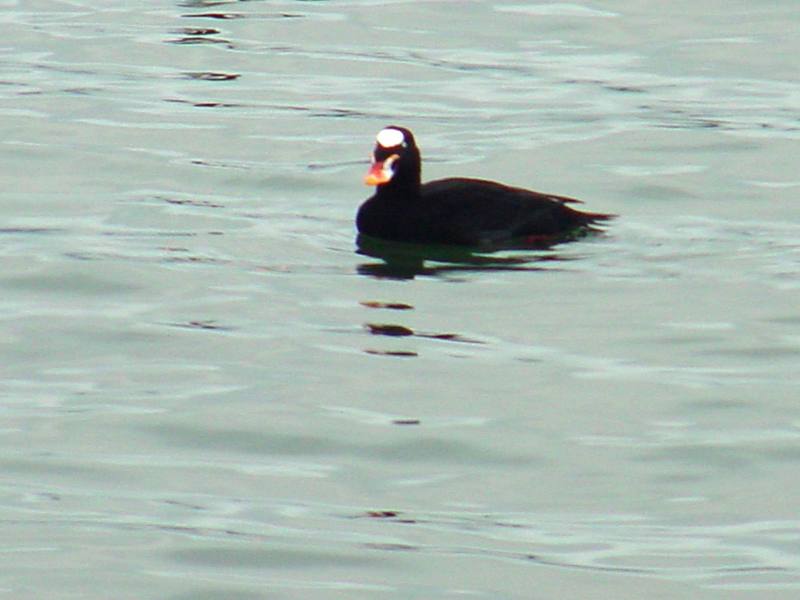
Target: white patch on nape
(389,138)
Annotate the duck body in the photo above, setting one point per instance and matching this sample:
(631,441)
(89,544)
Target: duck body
(470,212)
(457,211)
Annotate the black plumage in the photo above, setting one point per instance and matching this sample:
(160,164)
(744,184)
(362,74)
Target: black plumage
(457,211)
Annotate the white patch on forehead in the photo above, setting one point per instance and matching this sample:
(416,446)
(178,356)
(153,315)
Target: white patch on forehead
(389,138)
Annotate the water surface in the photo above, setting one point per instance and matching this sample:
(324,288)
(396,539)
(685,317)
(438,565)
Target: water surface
(208,392)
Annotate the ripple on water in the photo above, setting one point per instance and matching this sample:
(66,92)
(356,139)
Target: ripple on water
(200,376)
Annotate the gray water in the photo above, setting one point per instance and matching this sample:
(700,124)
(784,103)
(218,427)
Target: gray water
(196,398)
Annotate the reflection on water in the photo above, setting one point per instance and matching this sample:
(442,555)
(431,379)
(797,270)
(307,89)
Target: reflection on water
(194,397)
(401,260)
(393,330)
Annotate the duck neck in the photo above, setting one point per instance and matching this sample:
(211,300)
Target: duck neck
(404,185)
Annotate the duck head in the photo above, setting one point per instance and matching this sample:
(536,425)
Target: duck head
(395,159)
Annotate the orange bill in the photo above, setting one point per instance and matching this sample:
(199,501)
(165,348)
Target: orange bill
(381,171)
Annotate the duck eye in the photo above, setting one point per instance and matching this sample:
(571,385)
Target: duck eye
(381,154)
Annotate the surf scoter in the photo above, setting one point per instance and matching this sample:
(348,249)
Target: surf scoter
(457,211)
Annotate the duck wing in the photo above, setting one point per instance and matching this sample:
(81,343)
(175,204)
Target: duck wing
(480,212)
